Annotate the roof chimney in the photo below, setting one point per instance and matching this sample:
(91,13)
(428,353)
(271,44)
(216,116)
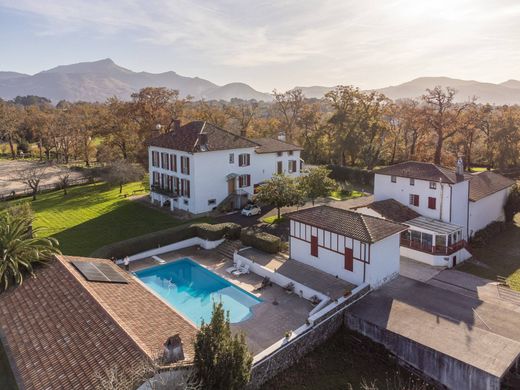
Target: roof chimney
(281,136)
(459,170)
(203,141)
(173,351)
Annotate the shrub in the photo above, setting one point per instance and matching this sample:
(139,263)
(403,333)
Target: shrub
(215,232)
(351,174)
(482,236)
(260,240)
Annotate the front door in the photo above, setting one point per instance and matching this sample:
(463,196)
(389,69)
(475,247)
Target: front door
(231,185)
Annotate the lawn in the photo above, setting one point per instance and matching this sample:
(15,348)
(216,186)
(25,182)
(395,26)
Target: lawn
(348,360)
(499,257)
(343,195)
(95,215)
(273,219)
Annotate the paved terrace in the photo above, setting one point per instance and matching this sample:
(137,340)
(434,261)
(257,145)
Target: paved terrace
(482,334)
(309,276)
(269,322)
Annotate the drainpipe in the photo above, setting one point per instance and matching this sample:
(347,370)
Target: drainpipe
(442,200)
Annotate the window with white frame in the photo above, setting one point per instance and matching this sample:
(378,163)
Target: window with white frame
(244,160)
(433,185)
(231,158)
(185,165)
(412,181)
(292,166)
(244,181)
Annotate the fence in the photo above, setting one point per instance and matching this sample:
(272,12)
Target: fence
(10,195)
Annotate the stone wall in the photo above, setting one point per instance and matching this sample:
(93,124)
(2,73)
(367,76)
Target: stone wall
(322,326)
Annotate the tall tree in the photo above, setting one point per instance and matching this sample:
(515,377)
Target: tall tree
(442,115)
(243,113)
(11,117)
(316,183)
(222,361)
(289,106)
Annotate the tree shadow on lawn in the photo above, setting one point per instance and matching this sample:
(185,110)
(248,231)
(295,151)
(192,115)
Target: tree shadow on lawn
(126,221)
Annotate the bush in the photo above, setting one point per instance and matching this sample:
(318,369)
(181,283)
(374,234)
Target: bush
(482,236)
(351,174)
(215,232)
(260,240)
(167,236)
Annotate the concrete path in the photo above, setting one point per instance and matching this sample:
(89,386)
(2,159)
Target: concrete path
(418,271)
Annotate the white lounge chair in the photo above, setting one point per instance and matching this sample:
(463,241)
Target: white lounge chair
(241,270)
(235,267)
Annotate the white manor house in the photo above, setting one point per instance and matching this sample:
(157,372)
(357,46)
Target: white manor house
(199,166)
(442,207)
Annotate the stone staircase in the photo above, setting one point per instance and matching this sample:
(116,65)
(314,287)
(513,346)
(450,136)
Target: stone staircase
(228,248)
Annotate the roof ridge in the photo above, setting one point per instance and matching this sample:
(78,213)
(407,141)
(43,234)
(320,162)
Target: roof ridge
(229,132)
(362,216)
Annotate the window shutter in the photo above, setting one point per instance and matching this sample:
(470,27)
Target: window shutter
(187,188)
(416,200)
(432,203)
(182,187)
(240,181)
(349,259)
(314,246)
(248,180)
(248,159)
(187,165)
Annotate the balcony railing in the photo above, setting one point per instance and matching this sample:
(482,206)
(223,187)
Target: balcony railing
(163,191)
(433,249)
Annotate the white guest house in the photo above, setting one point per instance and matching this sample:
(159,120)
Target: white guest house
(352,246)
(199,166)
(442,207)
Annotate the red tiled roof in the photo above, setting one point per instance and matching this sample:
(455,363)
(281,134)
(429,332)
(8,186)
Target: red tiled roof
(422,171)
(61,331)
(349,223)
(393,210)
(187,138)
(271,145)
(487,183)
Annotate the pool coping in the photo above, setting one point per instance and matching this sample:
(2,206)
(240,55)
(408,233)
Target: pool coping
(230,281)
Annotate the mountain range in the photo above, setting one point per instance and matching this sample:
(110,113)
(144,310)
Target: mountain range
(99,80)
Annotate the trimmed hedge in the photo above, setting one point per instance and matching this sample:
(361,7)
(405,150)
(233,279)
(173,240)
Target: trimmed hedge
(165,237)
(260,240)
(351,174)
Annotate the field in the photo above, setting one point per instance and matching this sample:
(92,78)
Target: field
(347,361)
(95,215)
(499,257)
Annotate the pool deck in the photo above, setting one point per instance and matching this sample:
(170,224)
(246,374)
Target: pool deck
(269,321)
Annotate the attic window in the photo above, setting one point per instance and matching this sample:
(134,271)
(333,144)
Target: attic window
(412,181)
(433,185)
(393,179)
(279,153)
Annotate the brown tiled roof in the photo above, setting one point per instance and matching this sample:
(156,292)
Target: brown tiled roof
(271,145)
(348,223)
(61,331)
(187,138)
(393,210)
(422,171)
(487,183)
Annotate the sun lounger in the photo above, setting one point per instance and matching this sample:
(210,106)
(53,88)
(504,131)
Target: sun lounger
(241,270)
(236,266)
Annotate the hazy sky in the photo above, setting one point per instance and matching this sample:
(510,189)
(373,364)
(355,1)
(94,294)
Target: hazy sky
(270,44)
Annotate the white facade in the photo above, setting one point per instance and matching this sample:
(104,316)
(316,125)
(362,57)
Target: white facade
(374,263)
(487,210)
(213,175)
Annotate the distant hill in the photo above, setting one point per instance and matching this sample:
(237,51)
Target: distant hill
(505,93)
(99,80)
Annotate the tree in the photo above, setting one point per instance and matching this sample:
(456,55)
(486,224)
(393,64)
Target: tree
(512,205)
(20,249)
(10,119)
(64,182)
(31,176)
(243,112)
(280,191)
(222,361)
(121,173)
(289,105)
(442,115)
(316,183)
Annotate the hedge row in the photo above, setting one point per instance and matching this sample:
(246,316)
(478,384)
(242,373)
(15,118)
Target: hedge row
(482,236)
(260,240)
(165,237)
(351,174)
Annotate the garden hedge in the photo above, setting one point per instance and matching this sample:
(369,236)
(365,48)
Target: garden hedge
(351,174)
(165,237)
(260,240)
(482,236)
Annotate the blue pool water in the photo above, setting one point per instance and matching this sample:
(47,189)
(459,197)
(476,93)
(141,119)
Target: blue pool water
(191,289)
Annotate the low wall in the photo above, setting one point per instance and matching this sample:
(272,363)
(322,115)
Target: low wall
(206,244)
(279,279)
(435,260)
(285,353)
(442,368)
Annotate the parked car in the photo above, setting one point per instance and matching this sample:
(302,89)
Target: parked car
(251,209)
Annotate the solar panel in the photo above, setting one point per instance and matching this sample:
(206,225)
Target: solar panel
(98,272)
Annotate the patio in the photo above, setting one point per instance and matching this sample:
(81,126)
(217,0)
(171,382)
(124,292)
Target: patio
(269,322)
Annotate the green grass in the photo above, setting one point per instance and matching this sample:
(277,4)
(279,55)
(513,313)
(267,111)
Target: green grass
(273,219)
(95,215)
(343,195)
(499,257)
(478,169)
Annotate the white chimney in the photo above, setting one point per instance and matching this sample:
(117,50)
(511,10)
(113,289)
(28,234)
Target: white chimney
(281,136)
(460,167)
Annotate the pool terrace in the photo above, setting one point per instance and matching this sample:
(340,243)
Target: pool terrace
(269,322)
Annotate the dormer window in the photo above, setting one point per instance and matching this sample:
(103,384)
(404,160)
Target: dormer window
(433,185)
(279,154)
(412,181)
(393,179)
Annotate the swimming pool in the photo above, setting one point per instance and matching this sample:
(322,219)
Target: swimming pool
(191,289)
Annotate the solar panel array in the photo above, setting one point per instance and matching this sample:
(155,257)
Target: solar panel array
(99,272)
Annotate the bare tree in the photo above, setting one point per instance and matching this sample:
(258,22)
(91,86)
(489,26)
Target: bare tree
(64,182)
(289,105)
(31,176)
(121,172)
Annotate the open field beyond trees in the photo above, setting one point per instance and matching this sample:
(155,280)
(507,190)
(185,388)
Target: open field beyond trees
(94,215)
(499,257)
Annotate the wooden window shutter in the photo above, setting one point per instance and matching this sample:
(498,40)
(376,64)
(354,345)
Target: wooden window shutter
(182,187)
(240,181)
(432,203)
(187,188)
(349,259)
(187,165)
(174,162)
(314,246)
(248,180)
(416,200)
